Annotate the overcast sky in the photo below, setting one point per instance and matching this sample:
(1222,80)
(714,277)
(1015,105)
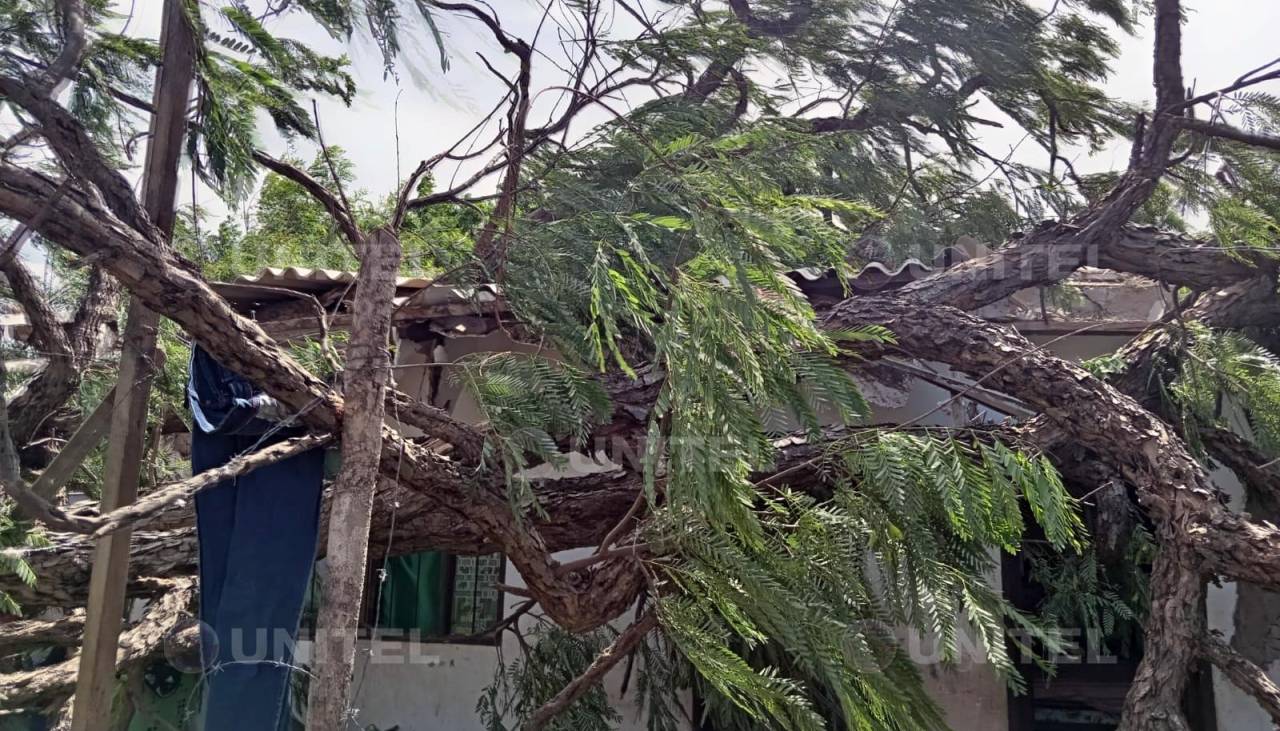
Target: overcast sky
(1223,39)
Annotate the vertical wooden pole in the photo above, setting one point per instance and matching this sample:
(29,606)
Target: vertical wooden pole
(95,684)
(364,379)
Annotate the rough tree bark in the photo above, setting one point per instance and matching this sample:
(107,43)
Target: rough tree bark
(68,351)
(1196,532)
(1242,673)
(365,376)
(169,285)
(173,496)
(27,633)
(49,686)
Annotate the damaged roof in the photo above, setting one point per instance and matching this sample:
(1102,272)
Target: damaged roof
(277,284)
(272,295)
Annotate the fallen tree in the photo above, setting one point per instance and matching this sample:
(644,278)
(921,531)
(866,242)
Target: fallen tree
(461,498)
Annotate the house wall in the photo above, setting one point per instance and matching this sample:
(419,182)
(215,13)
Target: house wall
(435,687)
(424,687)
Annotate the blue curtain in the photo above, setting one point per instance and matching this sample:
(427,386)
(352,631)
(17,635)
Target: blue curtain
(257,539)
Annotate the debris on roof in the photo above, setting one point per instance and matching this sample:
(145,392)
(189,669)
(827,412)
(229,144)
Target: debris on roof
(272,295)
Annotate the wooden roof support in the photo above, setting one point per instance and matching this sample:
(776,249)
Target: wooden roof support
(96,681)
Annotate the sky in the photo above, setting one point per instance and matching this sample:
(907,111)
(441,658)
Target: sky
(402,119)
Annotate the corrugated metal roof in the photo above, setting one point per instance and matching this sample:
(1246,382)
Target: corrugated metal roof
(274,284)
(256,288)
(1110,296)
(287,277)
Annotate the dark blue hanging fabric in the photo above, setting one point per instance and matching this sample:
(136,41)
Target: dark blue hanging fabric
(257,538)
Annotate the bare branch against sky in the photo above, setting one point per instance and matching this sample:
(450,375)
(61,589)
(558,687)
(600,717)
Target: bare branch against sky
(1221,39)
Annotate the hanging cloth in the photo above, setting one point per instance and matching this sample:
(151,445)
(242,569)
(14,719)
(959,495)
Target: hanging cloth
(257,542)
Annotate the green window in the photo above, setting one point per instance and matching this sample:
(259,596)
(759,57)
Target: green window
(436,594)
(415,595)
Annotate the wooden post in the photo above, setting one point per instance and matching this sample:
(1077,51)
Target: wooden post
(95,684)
(364,379)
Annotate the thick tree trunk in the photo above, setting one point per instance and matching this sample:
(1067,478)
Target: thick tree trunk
(365,377)
(29,633)
(68,353)
(49,686)
(63,568)
(1174,623)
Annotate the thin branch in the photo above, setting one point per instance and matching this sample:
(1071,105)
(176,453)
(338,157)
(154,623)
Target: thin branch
(623,524)
(1249,79)
(489,248)
(632,551)
(508,43)
(328,161)
(155,502)
(452,194)
(630,638)
(337,208)
(1228,132)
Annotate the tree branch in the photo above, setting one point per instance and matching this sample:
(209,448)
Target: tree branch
(158,500)
(1244,460)
(630,638)
(335,207)
(1228,132)
(48,686)
(57,382)
(74,43)
(80,155)
(368,368)
(1242,673)
(28,633)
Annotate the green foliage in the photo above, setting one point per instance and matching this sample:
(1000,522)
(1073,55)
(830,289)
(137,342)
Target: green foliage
(669,248)
(665,238)
(903,542)
(1107,602)
(16,535)
(1233,184)
(288,228)
(529,404)
(553,660)
(292,62)
(1223,369)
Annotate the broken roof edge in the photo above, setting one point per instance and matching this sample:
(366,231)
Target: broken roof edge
(272,295)
(260,286)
